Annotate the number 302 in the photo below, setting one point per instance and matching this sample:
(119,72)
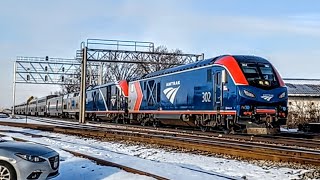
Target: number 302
(206,96)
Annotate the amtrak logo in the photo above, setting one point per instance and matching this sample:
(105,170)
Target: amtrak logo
(267,97)
(170,93)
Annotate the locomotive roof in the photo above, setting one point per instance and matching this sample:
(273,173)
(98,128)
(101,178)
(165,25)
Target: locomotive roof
(182,67)
(205,62)
(100,86)
(250,59)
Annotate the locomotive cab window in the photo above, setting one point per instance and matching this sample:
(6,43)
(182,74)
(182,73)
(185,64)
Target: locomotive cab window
(209,75)
(218,78)
(260,75)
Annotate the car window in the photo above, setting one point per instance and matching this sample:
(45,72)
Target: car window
(3,116)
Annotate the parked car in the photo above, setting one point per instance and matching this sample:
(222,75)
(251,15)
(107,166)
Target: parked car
(3,115)
(21,160)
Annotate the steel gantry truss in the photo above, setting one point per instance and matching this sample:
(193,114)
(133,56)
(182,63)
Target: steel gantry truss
(99,51)
(130,52)
(44,70)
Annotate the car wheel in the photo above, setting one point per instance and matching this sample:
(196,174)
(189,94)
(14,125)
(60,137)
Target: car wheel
(7,172)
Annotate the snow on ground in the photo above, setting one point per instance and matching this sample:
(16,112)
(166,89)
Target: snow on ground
(173,165)
(282,129)
(72,167)
(76,168)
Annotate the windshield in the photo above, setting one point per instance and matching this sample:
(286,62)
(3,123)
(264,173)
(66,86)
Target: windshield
(260,75)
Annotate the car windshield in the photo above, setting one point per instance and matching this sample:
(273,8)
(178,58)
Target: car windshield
(260,75)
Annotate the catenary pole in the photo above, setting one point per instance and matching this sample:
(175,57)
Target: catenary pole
(83,86)
(14,88)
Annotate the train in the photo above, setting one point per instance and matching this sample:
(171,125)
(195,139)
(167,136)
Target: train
(229,92)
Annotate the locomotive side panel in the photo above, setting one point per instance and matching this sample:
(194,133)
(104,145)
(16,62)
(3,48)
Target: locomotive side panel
(187,91)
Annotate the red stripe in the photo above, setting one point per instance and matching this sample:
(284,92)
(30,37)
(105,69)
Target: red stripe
(124,86)
(233,67)
(105,112)
(139,96)
(267,111)
(167,112)
(186,112)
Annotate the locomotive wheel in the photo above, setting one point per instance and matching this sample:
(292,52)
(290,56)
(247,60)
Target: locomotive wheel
(125,121)
(204,128)
(143,123)
(118,120)
(155,123)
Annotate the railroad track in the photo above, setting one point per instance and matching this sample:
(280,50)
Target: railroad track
(113,164)
(217,145)
(268,139)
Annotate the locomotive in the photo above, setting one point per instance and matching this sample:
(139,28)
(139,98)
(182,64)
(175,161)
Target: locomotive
(231,92)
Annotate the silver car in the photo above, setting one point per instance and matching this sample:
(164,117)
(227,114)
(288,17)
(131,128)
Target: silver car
(19,160)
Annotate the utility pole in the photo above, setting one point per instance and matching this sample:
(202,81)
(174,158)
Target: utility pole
(82,112)
(14,88)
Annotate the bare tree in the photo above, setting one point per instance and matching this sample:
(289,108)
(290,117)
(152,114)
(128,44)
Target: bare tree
(118,71)
(163,61)
(72,83)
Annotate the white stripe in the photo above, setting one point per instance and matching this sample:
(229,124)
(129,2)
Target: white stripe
(174,95)
(167,90)
(169,94)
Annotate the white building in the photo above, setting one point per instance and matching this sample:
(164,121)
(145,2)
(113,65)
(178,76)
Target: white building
(304,100)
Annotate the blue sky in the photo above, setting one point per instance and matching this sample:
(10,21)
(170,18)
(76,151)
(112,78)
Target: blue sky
(285,32)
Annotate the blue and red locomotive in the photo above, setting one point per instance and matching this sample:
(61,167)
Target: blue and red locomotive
(226,91)
(229,92)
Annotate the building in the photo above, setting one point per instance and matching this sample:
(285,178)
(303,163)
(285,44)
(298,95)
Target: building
(304,100)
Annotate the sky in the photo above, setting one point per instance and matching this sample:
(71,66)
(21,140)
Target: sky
(284,32)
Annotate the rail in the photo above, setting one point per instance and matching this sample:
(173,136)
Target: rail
(243,149)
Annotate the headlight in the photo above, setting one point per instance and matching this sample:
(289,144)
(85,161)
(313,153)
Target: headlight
(282,95)
(249,94)
(30,157)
